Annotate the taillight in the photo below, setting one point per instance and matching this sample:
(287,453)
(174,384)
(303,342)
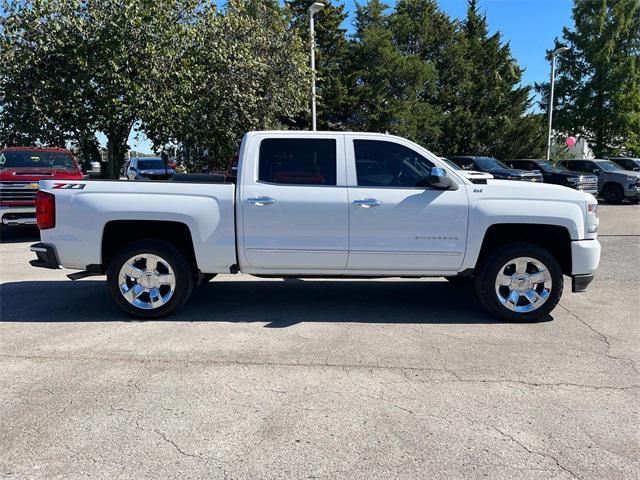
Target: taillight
(45,210)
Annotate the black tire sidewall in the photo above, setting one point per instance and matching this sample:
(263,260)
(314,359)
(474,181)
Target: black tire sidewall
(485,281)
(613,193)
(174,257)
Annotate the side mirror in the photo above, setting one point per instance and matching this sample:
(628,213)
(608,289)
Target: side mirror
(440,180)
(596,171)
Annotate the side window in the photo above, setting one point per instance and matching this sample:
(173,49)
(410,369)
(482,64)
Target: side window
(388,164)
(578,166)
(298,161)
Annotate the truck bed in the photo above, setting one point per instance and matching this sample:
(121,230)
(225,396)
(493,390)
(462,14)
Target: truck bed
(84,209)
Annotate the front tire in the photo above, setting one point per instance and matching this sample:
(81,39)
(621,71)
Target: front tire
(613,193)
(519,282)
(150,279)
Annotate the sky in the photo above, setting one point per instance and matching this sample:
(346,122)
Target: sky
(530,27)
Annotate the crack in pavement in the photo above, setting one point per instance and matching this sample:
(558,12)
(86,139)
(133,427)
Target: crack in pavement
(605,339)
(345,367)
(177,447)
(527,449)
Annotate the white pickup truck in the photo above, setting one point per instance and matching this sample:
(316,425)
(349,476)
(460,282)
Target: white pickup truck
(323,204)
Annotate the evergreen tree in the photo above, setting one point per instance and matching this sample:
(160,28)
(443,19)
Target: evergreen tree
(332,53)
(597,93)
(388,85)
(484,105)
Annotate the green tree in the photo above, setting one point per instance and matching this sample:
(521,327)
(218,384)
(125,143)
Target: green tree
(388,85)
(239,69)
(334,103)
(597,92)
(483,102)
(70,68)
(42,79)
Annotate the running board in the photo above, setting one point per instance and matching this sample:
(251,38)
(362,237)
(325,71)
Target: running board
(83,274)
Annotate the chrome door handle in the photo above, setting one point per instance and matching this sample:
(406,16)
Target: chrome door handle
(261,201)
(367,203)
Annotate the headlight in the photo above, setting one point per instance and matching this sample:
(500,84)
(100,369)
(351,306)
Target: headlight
(592,218)
(573,180)
(632,180)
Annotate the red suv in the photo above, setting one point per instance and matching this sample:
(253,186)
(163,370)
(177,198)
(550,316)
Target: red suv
(20,170)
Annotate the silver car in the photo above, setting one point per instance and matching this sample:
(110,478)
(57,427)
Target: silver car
(614,182)
(148,168)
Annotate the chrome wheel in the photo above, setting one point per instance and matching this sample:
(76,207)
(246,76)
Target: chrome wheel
(147,281)
(523,284)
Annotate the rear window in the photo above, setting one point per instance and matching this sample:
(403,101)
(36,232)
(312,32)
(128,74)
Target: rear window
(151,164)
(298,161)
(25,159)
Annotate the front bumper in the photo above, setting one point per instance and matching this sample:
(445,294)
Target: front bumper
(632,192)
(579,283)
(585,258)
(592,191)
(17,215)
(47,257)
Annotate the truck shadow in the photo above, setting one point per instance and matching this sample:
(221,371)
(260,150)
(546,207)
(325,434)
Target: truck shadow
(279,304)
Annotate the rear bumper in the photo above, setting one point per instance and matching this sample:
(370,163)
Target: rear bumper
(17,215)
(47,257)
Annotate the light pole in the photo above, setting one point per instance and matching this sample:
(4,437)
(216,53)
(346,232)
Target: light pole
(313,9)
(556,52)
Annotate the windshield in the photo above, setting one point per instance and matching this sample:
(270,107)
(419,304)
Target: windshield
(150,164)
(608,166)
(451,164)
(487,163)
(552,167)
(22,159)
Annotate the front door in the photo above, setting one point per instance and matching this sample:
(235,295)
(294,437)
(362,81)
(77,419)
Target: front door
(295,209)
(397,222)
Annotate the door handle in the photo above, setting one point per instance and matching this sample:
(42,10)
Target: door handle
(367,203)
(261,201)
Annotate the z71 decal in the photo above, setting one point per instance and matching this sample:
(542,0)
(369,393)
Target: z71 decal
(73,186)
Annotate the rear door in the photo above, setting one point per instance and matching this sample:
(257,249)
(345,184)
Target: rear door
(397,222)
(294,203)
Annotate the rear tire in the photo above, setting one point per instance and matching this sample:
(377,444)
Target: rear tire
(613,193)
(150,279)
(519,282)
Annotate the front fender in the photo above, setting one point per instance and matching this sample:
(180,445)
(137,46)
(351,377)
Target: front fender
(489,212)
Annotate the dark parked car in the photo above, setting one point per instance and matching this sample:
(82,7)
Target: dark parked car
(148,168)
(614,182)
(632,164)
(496,168)
(558,174)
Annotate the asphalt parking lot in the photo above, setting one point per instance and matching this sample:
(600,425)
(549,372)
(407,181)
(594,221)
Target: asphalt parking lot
(320,379)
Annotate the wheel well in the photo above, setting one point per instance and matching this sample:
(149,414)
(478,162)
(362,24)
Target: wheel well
(555,239)
(612,184)
(120,233)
